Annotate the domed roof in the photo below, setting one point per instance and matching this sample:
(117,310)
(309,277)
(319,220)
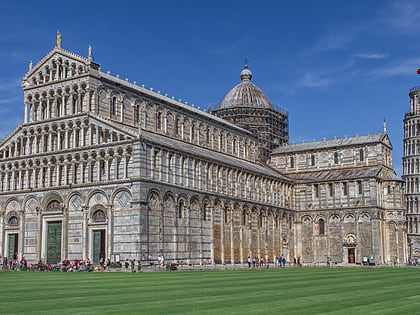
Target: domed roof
(246,94)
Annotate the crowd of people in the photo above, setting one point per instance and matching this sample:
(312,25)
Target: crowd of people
(63,266)
(134,265)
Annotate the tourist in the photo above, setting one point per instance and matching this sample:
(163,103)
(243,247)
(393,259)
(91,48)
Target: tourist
(249,262)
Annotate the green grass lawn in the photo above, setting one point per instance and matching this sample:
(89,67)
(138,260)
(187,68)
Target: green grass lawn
(273,291)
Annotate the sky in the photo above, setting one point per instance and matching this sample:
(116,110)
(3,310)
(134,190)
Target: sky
(339,67)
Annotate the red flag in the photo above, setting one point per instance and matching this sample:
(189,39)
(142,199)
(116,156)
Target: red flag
(418,71)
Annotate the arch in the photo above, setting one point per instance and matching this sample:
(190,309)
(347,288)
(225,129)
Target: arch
(307,220)
(334,218)
(12,219)
(181,206)
(75,201)
(169,201)
(97,196)
(98,214)
(121,198)
(348,218)
(12,204)
(53,202)
(154,199)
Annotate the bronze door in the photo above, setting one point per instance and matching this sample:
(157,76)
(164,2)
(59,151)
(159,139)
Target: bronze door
(53,253)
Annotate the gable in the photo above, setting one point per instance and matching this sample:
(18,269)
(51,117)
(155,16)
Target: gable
(386,140)
(57,65)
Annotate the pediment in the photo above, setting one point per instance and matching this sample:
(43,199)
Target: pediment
(58,64)
(386,140)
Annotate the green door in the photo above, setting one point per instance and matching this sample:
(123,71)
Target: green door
(13,246)
(53,242)
(98,246)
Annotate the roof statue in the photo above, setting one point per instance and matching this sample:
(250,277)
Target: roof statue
(58,40)
(246,94)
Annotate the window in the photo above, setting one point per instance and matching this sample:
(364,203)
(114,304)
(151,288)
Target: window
(14,221)
(158,120)
(335,157)
(313,160)
(345,189)
(112,106)
(205,212)
(321,227)
(136,114)
(54,206)
(331,189)
(176,126)
(360,187)
(362,155)
(292,162)
(99,216)
(316,190)
(180,209)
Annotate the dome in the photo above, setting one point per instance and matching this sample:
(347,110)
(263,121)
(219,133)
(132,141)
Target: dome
(246,94)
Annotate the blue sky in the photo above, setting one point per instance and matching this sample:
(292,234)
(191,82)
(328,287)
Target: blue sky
(339,67)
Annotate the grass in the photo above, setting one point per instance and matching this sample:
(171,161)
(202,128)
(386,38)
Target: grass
(275,291)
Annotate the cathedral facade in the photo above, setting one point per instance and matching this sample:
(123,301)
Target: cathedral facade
(104,168)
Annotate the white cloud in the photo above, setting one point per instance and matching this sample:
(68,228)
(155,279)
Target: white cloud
(311,80)
(405,67)
(370,56)
(405,15)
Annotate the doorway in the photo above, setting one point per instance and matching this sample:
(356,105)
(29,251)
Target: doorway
(53,248)
(12,249)
(98,246)
(351,258)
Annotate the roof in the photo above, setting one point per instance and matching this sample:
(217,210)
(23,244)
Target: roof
(347,174)
(359,140)
(212,155)
(246,94)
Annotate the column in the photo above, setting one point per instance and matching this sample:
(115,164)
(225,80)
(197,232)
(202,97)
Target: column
(98,169)
(25,113)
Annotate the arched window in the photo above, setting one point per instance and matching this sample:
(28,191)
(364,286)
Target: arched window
(99,216)
(292,162)
(158,120)
(136,114)
(180,209)
(335,157)
(112,106)
(13,221)
(176,126)
(54,206)
(313,161)
(321,227)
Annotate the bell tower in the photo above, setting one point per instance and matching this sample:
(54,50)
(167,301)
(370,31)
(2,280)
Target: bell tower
(411,172)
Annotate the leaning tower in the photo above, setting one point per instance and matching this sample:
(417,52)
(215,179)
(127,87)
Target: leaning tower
(411,172)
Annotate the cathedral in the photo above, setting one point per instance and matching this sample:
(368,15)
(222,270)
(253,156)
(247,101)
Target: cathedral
(104,168)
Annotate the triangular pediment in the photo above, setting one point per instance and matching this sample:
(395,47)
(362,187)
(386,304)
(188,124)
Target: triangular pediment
(58,64)
(386,140)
